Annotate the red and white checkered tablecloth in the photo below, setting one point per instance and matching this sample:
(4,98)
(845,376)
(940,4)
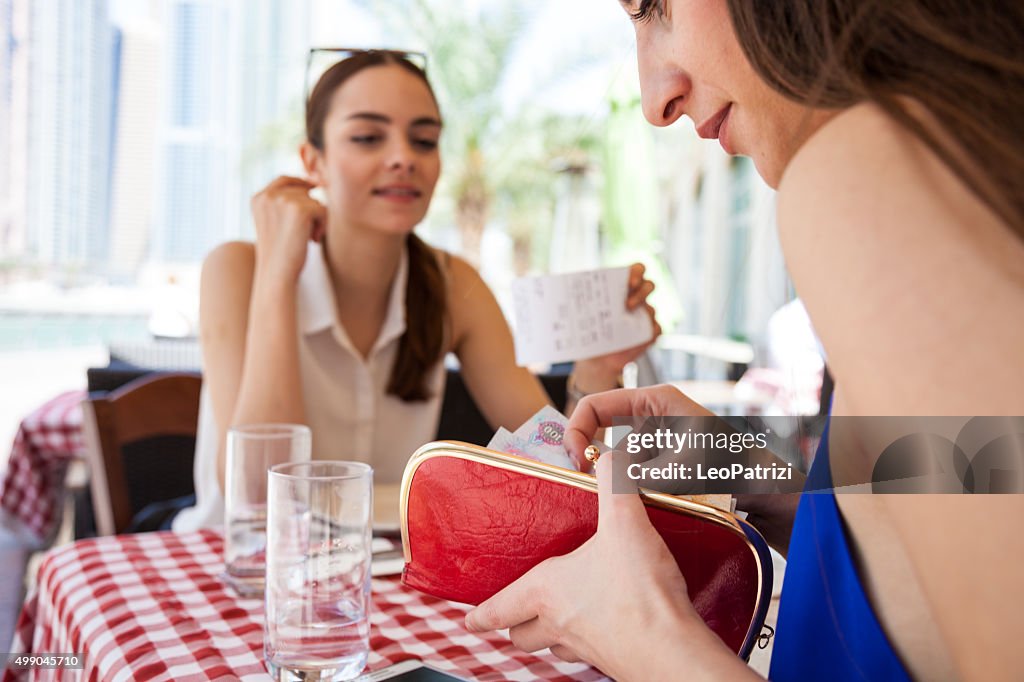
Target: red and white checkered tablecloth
(46,442)
(151,606)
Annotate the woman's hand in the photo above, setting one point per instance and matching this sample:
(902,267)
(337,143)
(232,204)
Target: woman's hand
(771,514)
(617,602)
(286,219)
(595,412)
(601,373)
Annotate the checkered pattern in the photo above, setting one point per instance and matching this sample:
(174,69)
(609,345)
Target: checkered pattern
(151,606)
(47,440)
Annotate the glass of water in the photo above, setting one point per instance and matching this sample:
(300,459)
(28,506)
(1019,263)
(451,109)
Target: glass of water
(251,451)
(318,570)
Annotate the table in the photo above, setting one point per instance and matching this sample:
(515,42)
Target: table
(32,492)
(150,606)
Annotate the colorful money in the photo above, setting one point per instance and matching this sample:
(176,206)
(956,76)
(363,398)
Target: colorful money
(549,453)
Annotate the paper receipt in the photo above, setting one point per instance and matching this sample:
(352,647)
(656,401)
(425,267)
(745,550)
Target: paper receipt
(575,316)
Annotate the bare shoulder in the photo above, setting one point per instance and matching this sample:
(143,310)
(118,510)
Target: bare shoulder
(230,264)
(867,163)
(230,256)
(866,170)
(474,311)
(460,271)
(903,269)
(226,282)
(466,288)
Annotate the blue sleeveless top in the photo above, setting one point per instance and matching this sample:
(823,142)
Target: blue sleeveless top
(827,628)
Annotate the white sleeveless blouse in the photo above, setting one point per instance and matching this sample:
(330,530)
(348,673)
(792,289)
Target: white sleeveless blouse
(347,408)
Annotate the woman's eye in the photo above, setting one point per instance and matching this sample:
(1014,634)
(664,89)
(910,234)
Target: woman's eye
(425,144)
(649,9)
(366,139)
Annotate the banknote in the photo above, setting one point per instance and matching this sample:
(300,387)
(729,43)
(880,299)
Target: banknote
(545,430)
(541,438)
(506,441)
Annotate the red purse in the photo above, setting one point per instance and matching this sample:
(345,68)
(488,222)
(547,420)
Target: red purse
(475,520)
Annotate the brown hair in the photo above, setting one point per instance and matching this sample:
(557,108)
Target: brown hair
(426,300)
(963,61)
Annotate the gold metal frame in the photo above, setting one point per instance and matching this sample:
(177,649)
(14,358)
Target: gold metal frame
(549,472)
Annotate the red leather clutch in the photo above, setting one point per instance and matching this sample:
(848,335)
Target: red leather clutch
(474,520)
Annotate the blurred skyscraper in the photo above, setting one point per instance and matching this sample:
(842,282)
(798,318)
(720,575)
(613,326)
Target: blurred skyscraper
(138,59)
(273,46)
(195,119)
(231,71)
(13,120)
(70,104)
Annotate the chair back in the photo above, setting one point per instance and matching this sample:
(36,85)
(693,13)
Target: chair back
(140,442)
(462,420)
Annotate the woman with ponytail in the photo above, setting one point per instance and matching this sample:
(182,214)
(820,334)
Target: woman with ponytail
(339,316)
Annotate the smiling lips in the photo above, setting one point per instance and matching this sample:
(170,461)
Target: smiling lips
(715,127)
(399,193)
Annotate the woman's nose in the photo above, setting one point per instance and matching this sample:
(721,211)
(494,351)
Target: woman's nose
(402,157)
(664,88)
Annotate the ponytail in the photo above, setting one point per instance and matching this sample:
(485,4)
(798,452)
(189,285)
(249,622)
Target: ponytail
(426,303)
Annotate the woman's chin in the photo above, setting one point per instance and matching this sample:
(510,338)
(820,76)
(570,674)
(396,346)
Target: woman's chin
(769,170)
(395,224)
(396,228)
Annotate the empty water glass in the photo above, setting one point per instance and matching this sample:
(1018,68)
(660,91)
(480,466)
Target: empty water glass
(251,451)
(318,570)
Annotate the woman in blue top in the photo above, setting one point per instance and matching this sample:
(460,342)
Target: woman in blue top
(893,133)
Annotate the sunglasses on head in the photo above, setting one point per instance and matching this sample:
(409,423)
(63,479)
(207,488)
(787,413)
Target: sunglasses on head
(337,54)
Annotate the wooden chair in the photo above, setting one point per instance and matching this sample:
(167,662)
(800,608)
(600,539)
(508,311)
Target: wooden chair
(140,442)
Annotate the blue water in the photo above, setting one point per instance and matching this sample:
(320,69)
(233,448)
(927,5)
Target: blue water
(35,331)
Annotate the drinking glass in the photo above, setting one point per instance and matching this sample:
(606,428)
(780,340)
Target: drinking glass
(318,570)
(251,450)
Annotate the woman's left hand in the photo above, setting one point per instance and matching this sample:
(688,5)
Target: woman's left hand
(601,373)
(615,602)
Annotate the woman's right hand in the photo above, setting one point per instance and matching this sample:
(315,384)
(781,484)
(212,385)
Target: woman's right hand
(771,514)
(597,411)
(286,219)
(618,602)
